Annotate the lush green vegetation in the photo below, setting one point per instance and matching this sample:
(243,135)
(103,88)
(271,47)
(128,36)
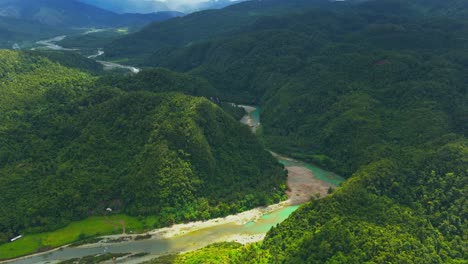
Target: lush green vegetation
(199,26)
(374,91)
(352,78)
(83,230)
(245,17)
(89,42)
(160,80)
(73,145)
(71,60)
(212,254)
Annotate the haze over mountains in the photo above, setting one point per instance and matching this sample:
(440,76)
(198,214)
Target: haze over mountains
(148,6)
(71,13)
(23,20)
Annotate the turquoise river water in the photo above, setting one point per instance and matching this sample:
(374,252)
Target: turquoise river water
(192,240)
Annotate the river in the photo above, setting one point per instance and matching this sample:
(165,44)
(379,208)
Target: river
(51,44)
(245,227)
(160,246)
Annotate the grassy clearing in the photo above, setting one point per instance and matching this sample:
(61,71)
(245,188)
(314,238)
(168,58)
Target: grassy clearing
(90,227)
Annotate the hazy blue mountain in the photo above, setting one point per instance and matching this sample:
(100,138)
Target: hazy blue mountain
(72,13)
(209,4)
(129,6)
(147,6)
(30,20)
(14,30)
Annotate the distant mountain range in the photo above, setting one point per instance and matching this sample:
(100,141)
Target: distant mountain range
(13,30)
(71,13)
(129,6)
(141,6)
(23,20)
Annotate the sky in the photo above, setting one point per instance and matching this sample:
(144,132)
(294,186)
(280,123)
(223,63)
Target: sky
(147,6)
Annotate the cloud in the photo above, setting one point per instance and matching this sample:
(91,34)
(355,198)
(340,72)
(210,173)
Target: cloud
(148,6)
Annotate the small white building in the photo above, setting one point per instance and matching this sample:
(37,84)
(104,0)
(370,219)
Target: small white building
(109,209)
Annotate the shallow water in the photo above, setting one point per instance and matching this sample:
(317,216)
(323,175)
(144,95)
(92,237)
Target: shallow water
(189,241)
(255,115)
(319,173)
(192,240)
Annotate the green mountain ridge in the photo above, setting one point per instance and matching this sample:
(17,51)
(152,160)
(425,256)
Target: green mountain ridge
(72,147)
(375,92)
(185,31)
(244,17)
(339,72)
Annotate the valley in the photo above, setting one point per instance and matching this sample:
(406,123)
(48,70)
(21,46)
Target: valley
(119,141)
(51,44)
(246,227)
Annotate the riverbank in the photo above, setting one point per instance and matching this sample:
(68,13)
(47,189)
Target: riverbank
(246,227)
(239,219)
(249,119)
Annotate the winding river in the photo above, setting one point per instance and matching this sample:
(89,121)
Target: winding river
(241,227)
(51,44)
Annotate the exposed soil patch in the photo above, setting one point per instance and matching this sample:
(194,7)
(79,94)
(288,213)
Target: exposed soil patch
(302,185)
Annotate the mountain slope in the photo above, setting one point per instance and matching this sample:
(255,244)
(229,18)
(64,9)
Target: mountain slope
(377,92)
(241,18)
(340,74)
(202,25)
(71,147)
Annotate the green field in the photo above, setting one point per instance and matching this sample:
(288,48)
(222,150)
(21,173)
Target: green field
(90,227)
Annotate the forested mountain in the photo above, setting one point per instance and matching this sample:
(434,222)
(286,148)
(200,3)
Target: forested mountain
(351,80)
(200,26)
(72,13)
(375,91)
(71,60)
(242,18)
(72,145)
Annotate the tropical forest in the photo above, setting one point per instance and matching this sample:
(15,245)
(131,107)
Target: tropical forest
(260,131)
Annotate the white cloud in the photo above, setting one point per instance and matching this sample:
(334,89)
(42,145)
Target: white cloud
(189,4)
(147,6)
